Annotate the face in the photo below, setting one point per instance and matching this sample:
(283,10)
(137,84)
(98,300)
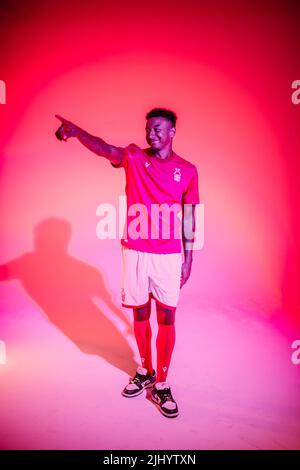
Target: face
(159,133)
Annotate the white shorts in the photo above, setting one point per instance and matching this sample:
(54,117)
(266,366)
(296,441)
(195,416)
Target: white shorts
(146,275)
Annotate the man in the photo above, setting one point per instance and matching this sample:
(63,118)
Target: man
(163,189)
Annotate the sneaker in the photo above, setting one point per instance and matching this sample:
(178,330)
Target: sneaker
(139,382)
(162,396)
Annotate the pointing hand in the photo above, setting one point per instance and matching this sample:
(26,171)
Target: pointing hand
(66,130)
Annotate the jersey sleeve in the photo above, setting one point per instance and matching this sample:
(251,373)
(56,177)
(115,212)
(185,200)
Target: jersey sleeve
(191,194)
(127,156)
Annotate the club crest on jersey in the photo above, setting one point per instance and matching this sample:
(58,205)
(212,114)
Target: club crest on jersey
(177,175)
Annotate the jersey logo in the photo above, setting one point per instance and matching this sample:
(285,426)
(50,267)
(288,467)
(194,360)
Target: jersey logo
(177,175)
(147,164)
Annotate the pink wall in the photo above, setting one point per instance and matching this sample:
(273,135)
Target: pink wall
(226,72)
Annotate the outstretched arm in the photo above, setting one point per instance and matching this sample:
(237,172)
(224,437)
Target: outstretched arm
(95,144)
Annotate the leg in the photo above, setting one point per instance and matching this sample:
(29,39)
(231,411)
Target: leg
(143,335)
(165,340)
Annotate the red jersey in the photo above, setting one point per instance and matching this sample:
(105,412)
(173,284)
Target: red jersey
(156,190)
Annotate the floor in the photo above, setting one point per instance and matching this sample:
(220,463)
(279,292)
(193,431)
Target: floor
(231,374)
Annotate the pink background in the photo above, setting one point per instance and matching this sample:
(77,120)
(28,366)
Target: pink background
(227,72)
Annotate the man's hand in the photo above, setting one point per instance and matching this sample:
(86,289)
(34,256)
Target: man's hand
(66,130)
(185,271)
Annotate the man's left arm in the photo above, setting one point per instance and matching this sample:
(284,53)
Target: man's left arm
(188,228)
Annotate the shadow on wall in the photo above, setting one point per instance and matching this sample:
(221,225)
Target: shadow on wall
(64,287)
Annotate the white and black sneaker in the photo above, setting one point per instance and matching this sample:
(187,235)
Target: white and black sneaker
(139,382)
(162,396)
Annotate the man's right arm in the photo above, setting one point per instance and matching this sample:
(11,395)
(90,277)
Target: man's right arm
(97,145)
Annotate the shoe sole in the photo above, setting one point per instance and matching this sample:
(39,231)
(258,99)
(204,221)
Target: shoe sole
(137,393)
(174,415)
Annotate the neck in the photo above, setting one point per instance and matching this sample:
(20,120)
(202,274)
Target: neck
(164,153)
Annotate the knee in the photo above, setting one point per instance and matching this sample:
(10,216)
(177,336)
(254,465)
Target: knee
(142,313)
(165,316)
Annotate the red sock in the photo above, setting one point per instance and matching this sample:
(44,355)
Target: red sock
(143,335)
(165,342)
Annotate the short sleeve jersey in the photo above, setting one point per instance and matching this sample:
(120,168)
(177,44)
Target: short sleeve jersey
(156,190)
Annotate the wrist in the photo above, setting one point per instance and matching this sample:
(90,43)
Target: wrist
(188,255)
(79,133)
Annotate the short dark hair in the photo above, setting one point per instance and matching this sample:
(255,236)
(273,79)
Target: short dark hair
(163,112)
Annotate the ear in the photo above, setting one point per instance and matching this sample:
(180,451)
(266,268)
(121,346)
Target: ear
(173,132)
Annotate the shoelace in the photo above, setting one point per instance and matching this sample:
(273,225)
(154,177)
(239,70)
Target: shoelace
(165,394)
(138,379)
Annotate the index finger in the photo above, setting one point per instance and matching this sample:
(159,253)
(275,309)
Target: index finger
(63,120)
